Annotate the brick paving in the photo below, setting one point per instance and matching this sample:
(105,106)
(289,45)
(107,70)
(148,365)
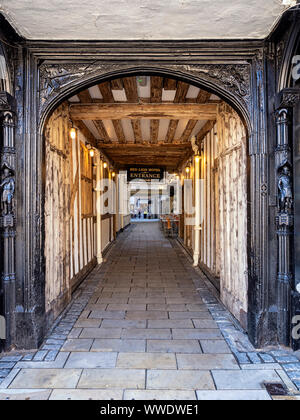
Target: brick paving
(147,325)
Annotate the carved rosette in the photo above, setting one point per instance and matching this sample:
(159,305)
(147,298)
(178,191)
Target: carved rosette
(55,79)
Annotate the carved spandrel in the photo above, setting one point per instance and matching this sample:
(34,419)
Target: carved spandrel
(55,78)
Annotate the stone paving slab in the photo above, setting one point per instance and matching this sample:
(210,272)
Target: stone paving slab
(25,394)
(204,324)
(107,315)
(169,323)
(244,379)
(196,334)
(119,345)
(152,315)
(101,333)
(146,361)
(215,346)
(159,395)
(173,346)
(233,395)
(123,323)
(83,344)
(86,394)
(88,323)
(112,379)
(206,361)
(190,315)
(90,360)
(140,333)
(179,380)
(46,378)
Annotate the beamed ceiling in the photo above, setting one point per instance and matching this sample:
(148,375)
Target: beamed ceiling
(144,120)
(143,19)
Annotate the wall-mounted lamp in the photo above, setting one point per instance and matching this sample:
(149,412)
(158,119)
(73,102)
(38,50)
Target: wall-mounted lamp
(104,165)
(73,133)
(92,153)
(113,174)
(187,169)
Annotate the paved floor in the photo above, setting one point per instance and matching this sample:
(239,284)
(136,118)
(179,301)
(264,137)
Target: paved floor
(145,325)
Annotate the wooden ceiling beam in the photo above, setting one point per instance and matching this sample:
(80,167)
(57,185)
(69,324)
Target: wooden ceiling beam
(137,130)
(85,97)
(161,146)
(170,84)
(130,86)
(119,131)
(172,130)
(131,91)
(182,90)
(203,97)
(86,132)
(117,84)
(155,97)
(105,89)
(204,130)
(116,111)
(102,131)
(188,130)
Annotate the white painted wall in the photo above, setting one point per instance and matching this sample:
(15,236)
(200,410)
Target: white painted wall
(143,19)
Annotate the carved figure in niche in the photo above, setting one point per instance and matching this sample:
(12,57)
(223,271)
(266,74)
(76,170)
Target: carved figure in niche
(7,188)
(285,192)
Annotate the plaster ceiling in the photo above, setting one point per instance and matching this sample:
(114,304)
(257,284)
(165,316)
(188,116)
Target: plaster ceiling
(143,19)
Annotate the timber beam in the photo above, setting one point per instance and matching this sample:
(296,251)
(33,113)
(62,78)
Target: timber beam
(170,111)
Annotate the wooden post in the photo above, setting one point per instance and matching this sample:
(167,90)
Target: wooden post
(197,226)
(99,173)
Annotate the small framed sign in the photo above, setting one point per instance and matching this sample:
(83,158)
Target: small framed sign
(145,173)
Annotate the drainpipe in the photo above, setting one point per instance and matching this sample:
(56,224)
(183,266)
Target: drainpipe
(99,174)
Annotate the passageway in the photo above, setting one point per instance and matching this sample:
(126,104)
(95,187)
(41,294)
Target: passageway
(145,325)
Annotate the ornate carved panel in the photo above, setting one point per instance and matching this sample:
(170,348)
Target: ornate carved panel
(55,79)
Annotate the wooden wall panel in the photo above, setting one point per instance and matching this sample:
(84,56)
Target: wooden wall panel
(233,211)
(223,237)
(69,214)
(57,226)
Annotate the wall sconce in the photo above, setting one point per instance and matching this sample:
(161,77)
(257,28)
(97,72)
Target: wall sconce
(113,174)
(104,165)
(73,133)
(92,153)
(187,169)
(197,158)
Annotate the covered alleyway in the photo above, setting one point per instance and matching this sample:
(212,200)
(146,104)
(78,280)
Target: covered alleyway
(146,325)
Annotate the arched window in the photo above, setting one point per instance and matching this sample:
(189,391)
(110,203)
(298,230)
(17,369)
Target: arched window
(4,76)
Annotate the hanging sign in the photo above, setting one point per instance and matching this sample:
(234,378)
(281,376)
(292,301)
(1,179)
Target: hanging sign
(145,173)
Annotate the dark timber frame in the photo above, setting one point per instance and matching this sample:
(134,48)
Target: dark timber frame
(247,75)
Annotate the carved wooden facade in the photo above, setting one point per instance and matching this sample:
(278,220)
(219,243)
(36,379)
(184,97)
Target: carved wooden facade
(247,75)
